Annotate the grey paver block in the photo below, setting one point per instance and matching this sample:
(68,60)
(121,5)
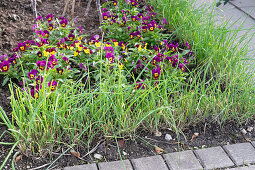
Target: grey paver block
(82,167)
(182,161)
(214,158)
(241,153)
(246,5)
(116,165)
(251,167)
(149,163)
(253,143)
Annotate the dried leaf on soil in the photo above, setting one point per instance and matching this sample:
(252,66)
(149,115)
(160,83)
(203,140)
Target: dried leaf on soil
(158,133)
(121,143)
(74,153)
(158,150)
(18,158)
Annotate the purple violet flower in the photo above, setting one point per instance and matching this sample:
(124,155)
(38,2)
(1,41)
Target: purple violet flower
(49,18)
(52,84)
(4,66)
(32,74)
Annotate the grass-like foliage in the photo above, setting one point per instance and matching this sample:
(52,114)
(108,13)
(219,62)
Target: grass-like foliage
(133,76)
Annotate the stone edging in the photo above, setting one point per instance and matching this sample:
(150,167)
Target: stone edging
(235,157)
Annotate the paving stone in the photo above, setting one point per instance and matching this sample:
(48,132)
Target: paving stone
(149,163)
(182,160)
(116,165)
(253,143)
(251,167)
(214,158)
(247,6)
(241,153)
(82,167)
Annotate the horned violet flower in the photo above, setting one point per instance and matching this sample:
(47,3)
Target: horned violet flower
(52,84)
(4,66)
(32,74)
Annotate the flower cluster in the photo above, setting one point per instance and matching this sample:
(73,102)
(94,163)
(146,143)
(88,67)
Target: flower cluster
(135,40)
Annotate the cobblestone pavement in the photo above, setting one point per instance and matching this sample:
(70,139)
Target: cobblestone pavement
(233,157)
(239,156)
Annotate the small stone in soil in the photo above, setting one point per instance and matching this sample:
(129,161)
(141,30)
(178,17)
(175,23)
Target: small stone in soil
(168,137)
(243,131)
(98,156)
(124,153)
(249,129)
(158,133)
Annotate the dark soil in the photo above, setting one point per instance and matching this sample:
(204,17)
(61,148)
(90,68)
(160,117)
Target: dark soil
(16,22)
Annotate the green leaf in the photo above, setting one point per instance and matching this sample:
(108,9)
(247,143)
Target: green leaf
(5,81)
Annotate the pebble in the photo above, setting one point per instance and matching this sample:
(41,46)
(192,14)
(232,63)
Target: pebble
(124,153)
(249,129)
(168,137)
(243,131)
(98,156)
(158,133)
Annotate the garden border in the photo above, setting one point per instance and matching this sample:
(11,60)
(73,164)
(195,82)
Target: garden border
(235,156)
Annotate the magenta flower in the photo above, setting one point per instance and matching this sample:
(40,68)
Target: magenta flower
(151,27)
(80,28)
(181,66)
(185,61)
(132,35)
(60,71)
(41,64)
(164,21)
(175,60)
(32,74)
(34,93)
(135,18)
(39,53)
(156,72)
(110,57)
(39,80)
(49,18)
(139,85)
(64,22)
(53,59)
(106,15)
(4,66)
(140,15)
(115,3)
(144,29)
(133,2)
(16,49)
(50,65)
(22,46)
(138,34)
(12,60)
(187,45)
(39,18)
(153,14)
(50,27)
(46,33)
(71,37)
(66,60)
(109,49)
(83,67)
(52,84)
(104,9)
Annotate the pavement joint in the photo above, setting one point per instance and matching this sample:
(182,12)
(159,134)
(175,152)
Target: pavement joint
(229,155)
(199,159)
(168,166)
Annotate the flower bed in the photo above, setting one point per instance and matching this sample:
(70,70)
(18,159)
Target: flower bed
(133,75)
